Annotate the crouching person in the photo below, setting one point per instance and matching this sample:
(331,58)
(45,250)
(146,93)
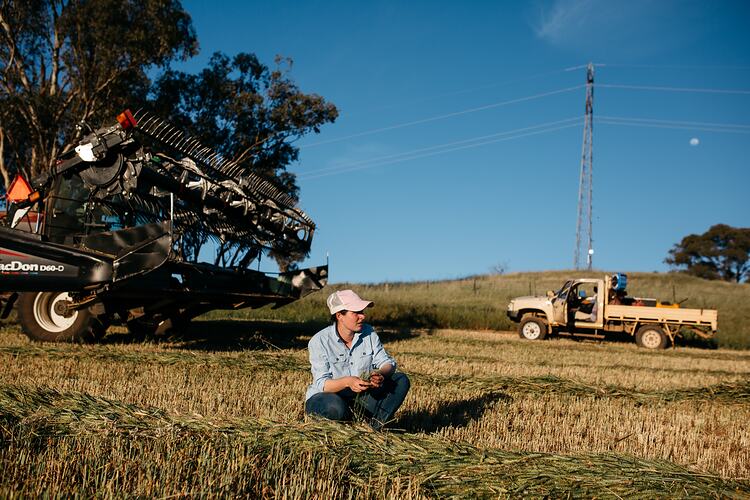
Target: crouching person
(351,370)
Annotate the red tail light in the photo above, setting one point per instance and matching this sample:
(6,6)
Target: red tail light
(126,120)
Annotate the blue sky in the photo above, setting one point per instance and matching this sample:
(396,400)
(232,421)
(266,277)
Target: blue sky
(458,146)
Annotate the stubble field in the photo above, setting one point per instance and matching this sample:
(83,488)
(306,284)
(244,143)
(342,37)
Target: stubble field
(219,411)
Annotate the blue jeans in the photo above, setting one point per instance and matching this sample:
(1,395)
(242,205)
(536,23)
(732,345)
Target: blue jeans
(379,405)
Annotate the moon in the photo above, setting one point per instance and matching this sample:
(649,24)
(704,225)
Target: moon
(694,141)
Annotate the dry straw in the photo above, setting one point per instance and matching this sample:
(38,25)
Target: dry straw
(214,457)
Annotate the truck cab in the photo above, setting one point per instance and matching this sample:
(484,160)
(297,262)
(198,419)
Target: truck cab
(579,303)
(576,305)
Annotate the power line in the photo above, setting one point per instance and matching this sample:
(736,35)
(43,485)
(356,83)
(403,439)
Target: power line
(677,125)
(673,127)
(524,99)
(555,72)
(672,66)
(408,156)
(678,122)
(583,66)
(463,91)
(514,134)
(675,89)
(447,115)
(518,133)
(334,168)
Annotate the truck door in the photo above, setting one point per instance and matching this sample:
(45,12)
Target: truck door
(560,304)
(585,304)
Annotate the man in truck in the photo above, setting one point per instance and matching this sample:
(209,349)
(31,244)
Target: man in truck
(594,301)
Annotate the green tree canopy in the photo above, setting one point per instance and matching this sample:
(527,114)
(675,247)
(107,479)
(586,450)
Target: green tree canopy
(722,252)
(67,61)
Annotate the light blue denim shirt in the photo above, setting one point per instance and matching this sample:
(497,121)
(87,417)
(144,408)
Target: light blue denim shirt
(330,359)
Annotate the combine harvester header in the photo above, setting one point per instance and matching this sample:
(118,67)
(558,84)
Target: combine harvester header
(110,234)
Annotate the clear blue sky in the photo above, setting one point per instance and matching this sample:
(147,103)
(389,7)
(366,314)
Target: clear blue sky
(451,154)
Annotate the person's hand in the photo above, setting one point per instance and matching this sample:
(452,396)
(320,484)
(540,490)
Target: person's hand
(376,379)
(356,384)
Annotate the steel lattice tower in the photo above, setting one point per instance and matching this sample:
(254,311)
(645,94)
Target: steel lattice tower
(584,224)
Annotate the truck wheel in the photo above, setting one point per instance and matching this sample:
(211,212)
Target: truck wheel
(532,329)
(651,337)
(40,321)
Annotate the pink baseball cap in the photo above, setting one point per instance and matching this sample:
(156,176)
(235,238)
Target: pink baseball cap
(346,300)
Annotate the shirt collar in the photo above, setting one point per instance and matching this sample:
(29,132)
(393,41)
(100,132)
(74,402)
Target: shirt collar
(337,337)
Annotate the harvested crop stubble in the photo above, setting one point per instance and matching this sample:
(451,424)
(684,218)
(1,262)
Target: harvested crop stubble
(732,393)
(205,450)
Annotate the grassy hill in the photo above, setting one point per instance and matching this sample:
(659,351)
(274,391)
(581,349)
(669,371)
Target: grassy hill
(480,302)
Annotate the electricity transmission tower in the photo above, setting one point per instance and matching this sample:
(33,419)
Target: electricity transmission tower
(584,236)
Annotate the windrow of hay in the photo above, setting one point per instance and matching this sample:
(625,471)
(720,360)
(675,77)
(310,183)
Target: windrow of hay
(731,393)
(131,450)
(254,360)
(726,392)
(481,339)
(483,361)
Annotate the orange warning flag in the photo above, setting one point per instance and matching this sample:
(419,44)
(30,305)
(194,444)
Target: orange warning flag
(19,189)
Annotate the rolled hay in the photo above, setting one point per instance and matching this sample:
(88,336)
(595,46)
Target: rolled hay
(73,443)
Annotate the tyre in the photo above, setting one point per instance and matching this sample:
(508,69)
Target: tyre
(41,320)
(651,337)
(147,326)
(532,328)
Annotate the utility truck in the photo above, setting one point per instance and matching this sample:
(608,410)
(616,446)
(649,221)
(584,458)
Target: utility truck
(112,233)
(592,307)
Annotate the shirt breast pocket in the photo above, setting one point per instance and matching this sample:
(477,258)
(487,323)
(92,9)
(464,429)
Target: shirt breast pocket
(365,361)
(340,367)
